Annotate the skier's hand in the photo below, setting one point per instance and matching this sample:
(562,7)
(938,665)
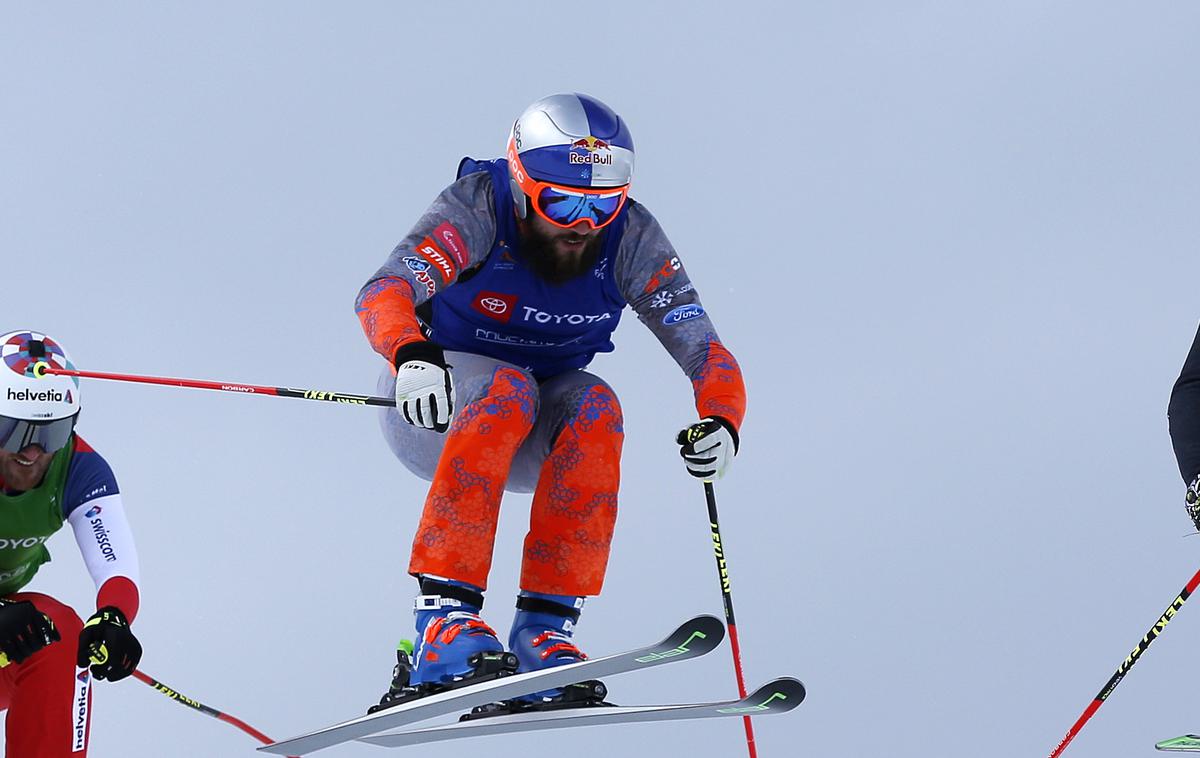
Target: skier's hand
(708,447)
(1192,500)
(424,389)
(24,630)
(108,645)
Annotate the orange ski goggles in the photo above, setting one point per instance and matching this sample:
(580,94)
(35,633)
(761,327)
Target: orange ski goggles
(565,206)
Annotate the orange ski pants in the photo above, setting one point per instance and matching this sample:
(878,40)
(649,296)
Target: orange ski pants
(560,438)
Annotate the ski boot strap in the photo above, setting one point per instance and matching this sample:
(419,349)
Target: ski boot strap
(541,605)
(436,595)
(559,643)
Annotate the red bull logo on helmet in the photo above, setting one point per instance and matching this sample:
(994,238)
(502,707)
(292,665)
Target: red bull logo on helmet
(591,144)
(597,152)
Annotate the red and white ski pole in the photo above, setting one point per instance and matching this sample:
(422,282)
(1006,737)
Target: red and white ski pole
(43,369)
(726,593)
(1127,664)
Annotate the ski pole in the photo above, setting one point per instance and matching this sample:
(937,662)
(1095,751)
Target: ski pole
(206,710)
(723,573)
(1127,664)
(42,368)
(185,700)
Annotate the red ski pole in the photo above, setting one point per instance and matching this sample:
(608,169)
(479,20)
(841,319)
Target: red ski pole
(43,369)
(723,573)
(193,704)
(206,710)
(1127,664)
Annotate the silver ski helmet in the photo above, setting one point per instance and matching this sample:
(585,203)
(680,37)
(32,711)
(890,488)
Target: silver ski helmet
(35,407)
(570,156)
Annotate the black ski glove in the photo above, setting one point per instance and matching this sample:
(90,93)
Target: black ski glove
(24,630)
(708,447)
(1192,500)
(107,643)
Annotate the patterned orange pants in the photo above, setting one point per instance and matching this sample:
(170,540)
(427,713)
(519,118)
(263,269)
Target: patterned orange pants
(561,438)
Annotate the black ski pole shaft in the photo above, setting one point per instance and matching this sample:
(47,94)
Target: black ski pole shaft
(727,595)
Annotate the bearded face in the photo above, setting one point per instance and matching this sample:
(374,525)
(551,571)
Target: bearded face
(555,254)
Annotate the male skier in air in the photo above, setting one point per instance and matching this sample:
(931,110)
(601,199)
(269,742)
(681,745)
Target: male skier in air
(488,312)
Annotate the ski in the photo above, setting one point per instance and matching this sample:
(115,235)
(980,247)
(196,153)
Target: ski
(1188,743)
(697,637)
(778,696)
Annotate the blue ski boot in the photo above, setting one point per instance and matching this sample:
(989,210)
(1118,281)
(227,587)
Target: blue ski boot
(541,637)
(454,646)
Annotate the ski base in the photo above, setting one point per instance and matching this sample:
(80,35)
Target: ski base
(1188,743)
(778,696)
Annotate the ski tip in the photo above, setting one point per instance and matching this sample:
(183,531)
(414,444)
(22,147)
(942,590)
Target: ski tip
(1188,743)
(778,695)
(696,637)
(706,630)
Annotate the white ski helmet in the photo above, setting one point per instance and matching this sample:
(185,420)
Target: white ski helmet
(35,407)
(572,156)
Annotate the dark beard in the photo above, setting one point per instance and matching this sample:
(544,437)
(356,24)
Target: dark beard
(537,251)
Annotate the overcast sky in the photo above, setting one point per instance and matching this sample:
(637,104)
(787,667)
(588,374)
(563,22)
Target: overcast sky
(953,246)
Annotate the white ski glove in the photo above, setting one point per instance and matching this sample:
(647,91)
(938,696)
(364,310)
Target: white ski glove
(424,389)
(708,447)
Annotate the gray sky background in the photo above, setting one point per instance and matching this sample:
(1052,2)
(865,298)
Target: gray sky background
(953,246)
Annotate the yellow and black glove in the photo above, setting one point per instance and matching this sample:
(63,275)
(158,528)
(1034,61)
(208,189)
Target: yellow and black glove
(108,645)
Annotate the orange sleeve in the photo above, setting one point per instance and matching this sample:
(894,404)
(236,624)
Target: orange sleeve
(718,385)
(388,315)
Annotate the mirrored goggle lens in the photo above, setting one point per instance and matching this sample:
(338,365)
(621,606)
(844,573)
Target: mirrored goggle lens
(567,208)
(17,434)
